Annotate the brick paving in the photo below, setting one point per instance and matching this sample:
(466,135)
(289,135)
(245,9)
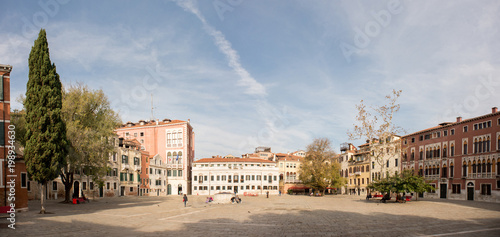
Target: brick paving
(258,216)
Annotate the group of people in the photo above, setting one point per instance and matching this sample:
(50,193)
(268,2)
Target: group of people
(236,199)
(209,199)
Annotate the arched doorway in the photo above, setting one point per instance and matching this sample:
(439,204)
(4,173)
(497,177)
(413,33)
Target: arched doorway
(76,189)
(470,191)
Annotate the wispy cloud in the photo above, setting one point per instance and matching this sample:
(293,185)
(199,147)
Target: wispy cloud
(246,80)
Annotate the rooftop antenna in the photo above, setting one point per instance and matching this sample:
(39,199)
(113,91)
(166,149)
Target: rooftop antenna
(152,109)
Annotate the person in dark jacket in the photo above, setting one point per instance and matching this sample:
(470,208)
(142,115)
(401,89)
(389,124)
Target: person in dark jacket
(185,200)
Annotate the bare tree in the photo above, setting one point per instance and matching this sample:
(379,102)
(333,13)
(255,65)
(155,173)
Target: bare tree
(375,124)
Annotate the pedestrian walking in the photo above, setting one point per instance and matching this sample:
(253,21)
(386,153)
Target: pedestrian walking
(185,200)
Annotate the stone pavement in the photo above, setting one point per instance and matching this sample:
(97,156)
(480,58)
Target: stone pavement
(258,216)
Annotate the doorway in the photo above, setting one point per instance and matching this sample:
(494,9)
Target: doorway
(101,191)
(76,189)
(470,191)
(179,189)
(443,189)
(235,189)
(122,191)
(169,189)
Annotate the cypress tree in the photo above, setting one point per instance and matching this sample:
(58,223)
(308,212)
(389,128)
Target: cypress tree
(46,145)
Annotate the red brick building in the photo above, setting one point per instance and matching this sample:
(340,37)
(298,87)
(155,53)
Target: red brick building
(461,159)
(13,178)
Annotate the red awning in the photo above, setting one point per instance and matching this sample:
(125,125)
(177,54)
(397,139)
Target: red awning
(298,188)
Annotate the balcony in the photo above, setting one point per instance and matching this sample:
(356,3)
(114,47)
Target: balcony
(357,173)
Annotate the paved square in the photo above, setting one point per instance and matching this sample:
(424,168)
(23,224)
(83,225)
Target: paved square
(258,216)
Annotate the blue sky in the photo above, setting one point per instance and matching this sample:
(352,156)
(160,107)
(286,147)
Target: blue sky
(266,73)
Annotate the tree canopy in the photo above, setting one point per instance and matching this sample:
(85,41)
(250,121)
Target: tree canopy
(90,124)
(318,169)
(401,182)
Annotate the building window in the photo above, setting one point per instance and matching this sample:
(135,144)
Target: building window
(91,185)
(445,133)
(131,189)
(114,186)
(465,148)
(465,128)
(396,162)
(434,188)
(84,185)
(485,189)
(108,185)
(24,180)
(142,134)
(388,164)
(452,132)
(451,170)
(124,159)
(54,185)
(195,178)
(455,188)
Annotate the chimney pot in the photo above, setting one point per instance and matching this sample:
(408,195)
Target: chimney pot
(494,110)
(459,119)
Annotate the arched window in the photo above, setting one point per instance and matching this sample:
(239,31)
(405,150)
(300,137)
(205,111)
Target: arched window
(498,143)
(421,154)
(465,148)
(476,146)
(469,167)
(427,153)
(444,173)
(488,142)
(452,149)
(484,166)
(444,151)
(488,167)
(180,157)
(464,169)
(452,172)
(367,168)
(362,169)
(350,169)
(174,157)
(438,153)
(474,167)
(480,145)
(169,156)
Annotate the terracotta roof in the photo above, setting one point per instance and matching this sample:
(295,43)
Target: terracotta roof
(150,123)
(449,124)
(425,130)
(291,158)
(210,160)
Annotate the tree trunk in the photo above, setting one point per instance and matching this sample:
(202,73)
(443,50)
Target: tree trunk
(67,179)
(42,211)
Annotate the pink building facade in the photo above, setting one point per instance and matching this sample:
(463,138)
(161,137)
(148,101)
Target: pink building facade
(171,139)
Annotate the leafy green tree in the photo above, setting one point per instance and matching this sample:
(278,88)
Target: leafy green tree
(46,144)
(401,182)
(318,169)
(90,124)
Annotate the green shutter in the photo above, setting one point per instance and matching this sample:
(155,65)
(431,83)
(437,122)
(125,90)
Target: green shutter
(1,88)
(2,133)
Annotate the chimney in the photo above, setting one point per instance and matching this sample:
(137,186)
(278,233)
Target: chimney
(494,110)
(459,119)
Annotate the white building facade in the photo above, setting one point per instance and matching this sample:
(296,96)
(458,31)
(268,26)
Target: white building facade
(243,176)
